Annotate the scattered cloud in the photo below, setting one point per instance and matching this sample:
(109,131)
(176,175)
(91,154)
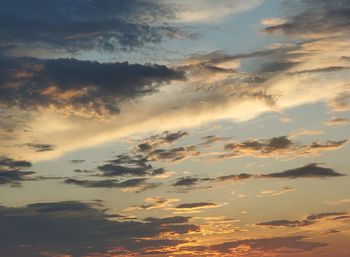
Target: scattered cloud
(338,122)
(11,171)
(278,147)
(308,221)
(131,185)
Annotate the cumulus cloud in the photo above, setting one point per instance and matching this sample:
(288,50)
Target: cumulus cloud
(70,228)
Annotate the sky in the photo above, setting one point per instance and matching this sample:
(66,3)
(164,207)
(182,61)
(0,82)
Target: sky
(174,128)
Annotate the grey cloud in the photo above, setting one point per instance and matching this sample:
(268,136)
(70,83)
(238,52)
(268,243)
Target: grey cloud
(156,141)
(308,171)
(186,181)
(173,154)
(89,88)
(278,146)
(288,244)
(308,221)
(86,25)
(11,171)
(70,228)
(137,184)
(195,205)
(125,165)
(41,147)
(320,17)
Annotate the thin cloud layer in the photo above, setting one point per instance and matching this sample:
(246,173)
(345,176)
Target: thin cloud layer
(308,221)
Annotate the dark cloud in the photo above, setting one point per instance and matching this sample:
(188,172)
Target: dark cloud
(287,244)
(155,141)
(186,181)
(173,154)
(77,161)
(312,170)
(278,146)
(79,229)
(196,205)
(6,162)
(80,87)
(11,171)
(320,70)
(75,25)
(309,220)
(41,147)
(125,165)
(315,17)
(309,171)
(136,185)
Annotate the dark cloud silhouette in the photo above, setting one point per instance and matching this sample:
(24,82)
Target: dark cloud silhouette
(125,165)
(88,88)
(136,185)
(309,220)
(156,141)
(41,147)
(70,228)
(173,154)
(85,25)
(6,162)
(312,170)
(11,171)
(196,205)
(308,171)
(186,181)
(278,146)
(315,17)
(287,244)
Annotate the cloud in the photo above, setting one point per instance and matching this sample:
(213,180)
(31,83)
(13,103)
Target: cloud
(315,18)
(290,244)
(131,185)
(272,193)
(11,172)
(278,147)
(41,147)
(165,139)
(125,165)
(86,25)
(173,154)
(311,170)
(154,203)
(308,221)
(338,122)
(70,228)
(196,206)
(308,171)
(83,88)
(208,10)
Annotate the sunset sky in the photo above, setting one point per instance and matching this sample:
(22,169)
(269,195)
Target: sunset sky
(175,128)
